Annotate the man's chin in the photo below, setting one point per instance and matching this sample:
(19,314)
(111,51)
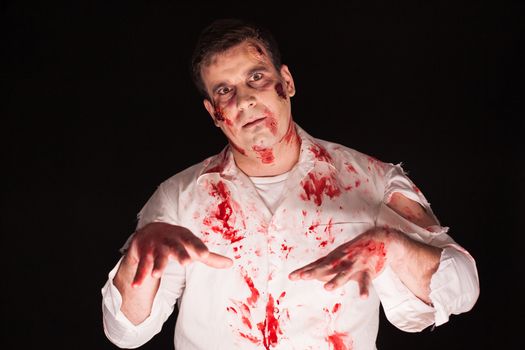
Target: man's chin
(262,141)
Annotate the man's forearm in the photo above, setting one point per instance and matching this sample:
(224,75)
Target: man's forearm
(414,263)
(136,301)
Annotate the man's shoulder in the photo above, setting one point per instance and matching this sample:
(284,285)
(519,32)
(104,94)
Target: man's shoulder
(345,152)
(350,159)
(189,175)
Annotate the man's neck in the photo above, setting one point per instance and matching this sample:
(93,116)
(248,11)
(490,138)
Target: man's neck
(273,161)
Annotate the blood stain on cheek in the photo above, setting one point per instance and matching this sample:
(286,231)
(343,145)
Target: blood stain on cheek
(218,113)
(271,123)
(280,91)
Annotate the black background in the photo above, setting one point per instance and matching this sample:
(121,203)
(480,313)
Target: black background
(98,108)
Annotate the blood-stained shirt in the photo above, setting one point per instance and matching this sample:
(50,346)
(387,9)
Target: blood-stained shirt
(331,195)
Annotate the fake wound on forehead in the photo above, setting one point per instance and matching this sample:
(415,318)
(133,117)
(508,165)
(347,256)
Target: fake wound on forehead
(257,51)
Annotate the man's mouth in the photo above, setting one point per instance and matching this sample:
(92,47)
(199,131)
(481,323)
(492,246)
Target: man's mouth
(254,122)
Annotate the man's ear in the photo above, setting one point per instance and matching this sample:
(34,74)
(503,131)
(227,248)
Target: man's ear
(211,110)
(288,80)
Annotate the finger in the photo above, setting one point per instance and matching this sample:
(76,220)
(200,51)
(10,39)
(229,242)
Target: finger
(217,261)
(326,269)
(300,273)
(364,283)
(339,280)
(161,261)
(175,249)
(194,246)
(143,269)
(198,251)
(180,254)
(321,272)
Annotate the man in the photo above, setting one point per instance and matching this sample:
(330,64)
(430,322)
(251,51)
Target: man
(281,241)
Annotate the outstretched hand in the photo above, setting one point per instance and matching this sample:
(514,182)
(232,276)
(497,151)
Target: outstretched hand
(359,260)
(156,243)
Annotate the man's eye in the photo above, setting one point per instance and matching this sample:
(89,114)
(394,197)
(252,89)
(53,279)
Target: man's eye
(224,90)
(256,76)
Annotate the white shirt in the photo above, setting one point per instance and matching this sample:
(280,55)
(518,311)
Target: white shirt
(333,194)
(270,188)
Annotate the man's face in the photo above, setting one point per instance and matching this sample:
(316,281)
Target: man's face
(250,99)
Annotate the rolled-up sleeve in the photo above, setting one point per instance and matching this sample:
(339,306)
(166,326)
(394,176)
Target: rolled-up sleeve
(454,290)
(454,287)
(119,330)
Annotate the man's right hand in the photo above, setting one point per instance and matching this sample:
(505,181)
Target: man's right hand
(156,243)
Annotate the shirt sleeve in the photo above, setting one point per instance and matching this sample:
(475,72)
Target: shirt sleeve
(454,286)
(118,329)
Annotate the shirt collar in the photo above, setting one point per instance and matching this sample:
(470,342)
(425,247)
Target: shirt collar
(311,149)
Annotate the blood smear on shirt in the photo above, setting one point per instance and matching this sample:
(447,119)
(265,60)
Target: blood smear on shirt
(270,327)
(337,342)
(320,153)
(252,300)
(315,188)
(218,221)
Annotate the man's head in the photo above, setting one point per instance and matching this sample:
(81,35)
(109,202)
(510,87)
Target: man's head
(237,67)
(224,34)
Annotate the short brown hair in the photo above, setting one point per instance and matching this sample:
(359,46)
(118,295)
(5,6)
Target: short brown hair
(223,34)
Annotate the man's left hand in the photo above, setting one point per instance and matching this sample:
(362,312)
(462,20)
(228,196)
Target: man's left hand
(359,260)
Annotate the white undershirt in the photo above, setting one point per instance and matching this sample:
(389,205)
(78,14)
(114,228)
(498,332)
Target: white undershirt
(270,188)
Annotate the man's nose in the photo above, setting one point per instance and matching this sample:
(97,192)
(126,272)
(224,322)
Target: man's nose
(245,98)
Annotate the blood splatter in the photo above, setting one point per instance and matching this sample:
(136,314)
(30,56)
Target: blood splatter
(320,153)
(314,188)
(286,250)
(252,300)
(328,234)
(336,307)
(369,249)
(314,225)
(280,91)
(378,166)
(350,168)
(337,342)
(251,338)
(264,154)
(270,327)
(219,221)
